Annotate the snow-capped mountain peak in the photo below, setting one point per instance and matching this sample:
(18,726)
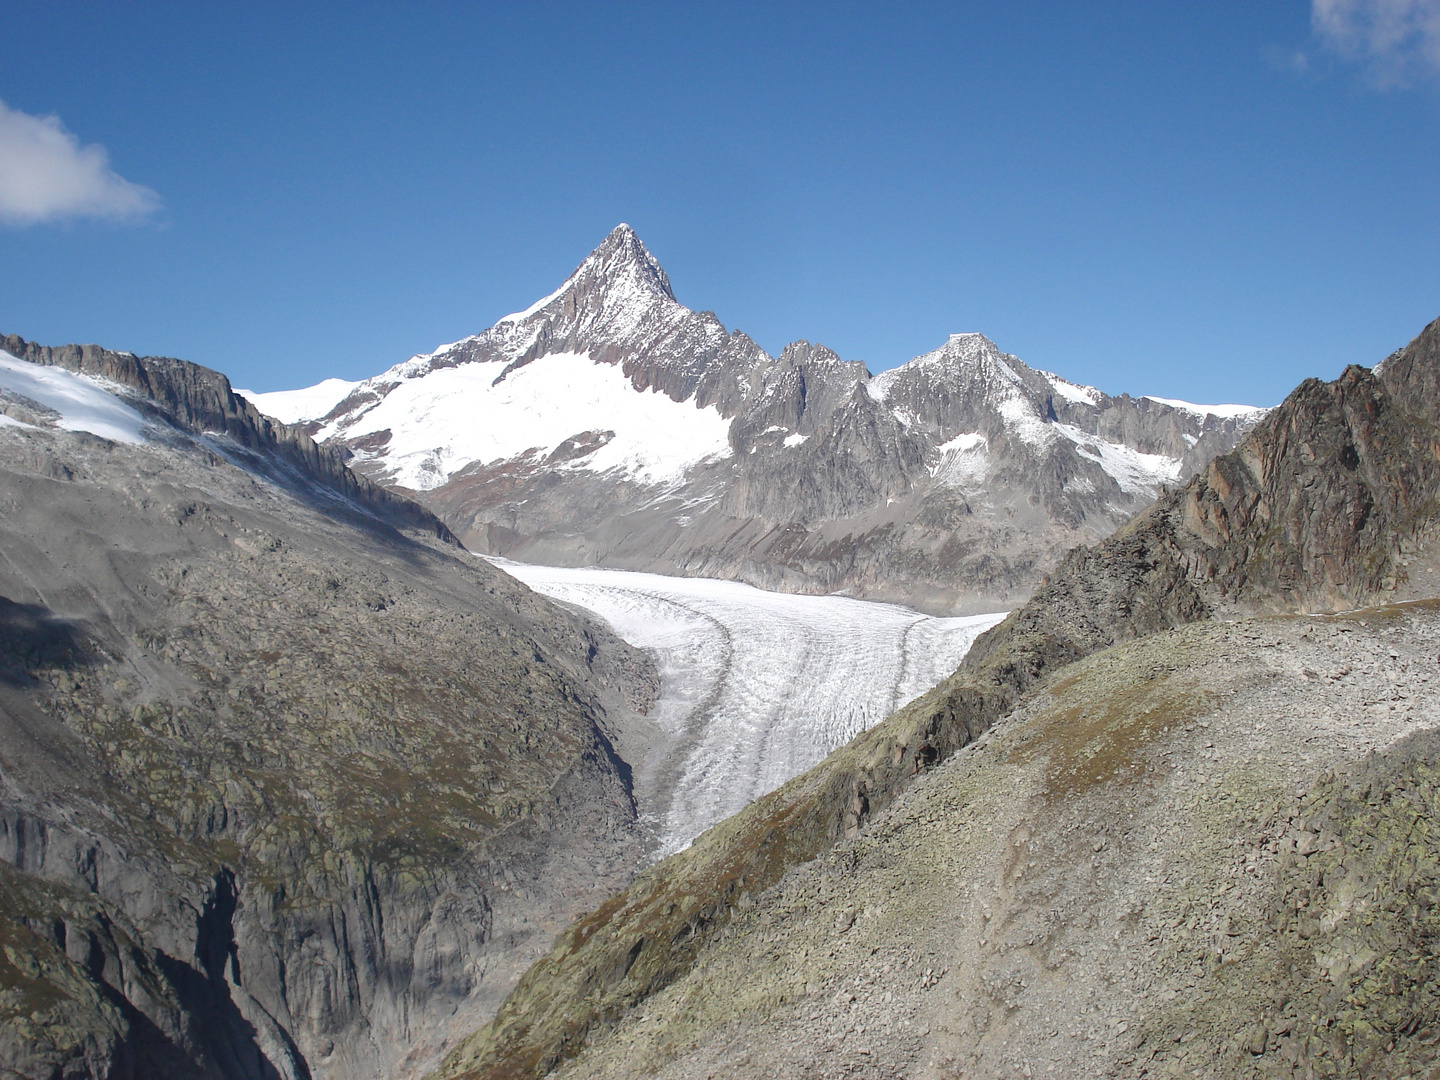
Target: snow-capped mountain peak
(609,421)
(620,270)
(623,261)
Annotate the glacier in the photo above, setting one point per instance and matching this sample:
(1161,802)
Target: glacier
(297,406)
(79,402)
(756,686)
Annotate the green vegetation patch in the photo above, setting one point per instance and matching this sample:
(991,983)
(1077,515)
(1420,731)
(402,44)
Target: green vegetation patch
(1104,715)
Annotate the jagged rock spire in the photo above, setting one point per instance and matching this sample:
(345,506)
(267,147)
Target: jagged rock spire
(622,256)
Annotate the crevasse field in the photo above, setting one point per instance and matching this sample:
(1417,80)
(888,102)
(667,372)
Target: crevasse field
(758,686)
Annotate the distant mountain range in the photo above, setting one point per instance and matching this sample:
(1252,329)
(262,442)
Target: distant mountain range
(608,424)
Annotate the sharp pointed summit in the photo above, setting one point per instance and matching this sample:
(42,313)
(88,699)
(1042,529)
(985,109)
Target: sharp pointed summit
(623,254)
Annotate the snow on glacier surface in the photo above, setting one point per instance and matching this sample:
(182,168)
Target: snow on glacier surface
(1136,473)
(449,417)
(1225,412)
(758,686)
(307,403)
(963,460)
(83,403)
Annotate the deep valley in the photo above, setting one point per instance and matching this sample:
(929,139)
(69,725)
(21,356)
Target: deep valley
(602,696)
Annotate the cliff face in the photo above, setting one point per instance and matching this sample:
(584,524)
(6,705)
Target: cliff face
(201,401)
(1329,503)
(290,785)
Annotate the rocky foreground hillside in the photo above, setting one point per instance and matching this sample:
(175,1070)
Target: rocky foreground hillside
(610,425)
(290,785)
(1190,845)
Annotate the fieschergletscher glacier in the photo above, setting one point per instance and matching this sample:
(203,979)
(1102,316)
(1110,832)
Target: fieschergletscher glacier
(756,686)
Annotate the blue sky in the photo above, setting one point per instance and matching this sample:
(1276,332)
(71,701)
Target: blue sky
(1201,200)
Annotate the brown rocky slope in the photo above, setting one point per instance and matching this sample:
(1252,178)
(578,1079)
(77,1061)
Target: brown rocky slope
(1331,502)
(1209,852)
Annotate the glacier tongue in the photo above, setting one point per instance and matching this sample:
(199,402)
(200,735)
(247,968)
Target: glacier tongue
(756,686)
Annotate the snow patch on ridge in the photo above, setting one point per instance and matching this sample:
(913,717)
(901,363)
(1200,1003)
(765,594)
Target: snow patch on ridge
(1136,473)
(1073,392)
(758,686)
(82,403)
(297,406)
(450,417)
(521,316)
(1224,412)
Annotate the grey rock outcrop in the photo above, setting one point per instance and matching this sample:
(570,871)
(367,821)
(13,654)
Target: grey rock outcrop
(952,483)
(290,784)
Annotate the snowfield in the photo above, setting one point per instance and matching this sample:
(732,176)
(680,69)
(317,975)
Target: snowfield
(756,686)
(1222,411)
(78,402)
(449,417)
(295,406)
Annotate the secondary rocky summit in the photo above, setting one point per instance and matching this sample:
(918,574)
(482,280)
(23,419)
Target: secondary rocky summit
(610,425)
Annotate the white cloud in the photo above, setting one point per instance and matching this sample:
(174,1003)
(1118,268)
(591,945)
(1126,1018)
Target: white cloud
(1396,40)
(46,175)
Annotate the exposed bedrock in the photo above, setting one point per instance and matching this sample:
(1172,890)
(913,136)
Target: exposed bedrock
(290,785)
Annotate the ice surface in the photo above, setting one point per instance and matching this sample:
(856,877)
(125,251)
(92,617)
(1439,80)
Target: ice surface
(1136,473)
(759,686)
(83,403)
(452,416)
(308,403)
(1020,417)
(964,460)
(1225,412)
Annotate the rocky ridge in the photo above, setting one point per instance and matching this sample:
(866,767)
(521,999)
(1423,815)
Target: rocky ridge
(951,483)
(1224,867)
(290,785)
(1329,502)
(202,402)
